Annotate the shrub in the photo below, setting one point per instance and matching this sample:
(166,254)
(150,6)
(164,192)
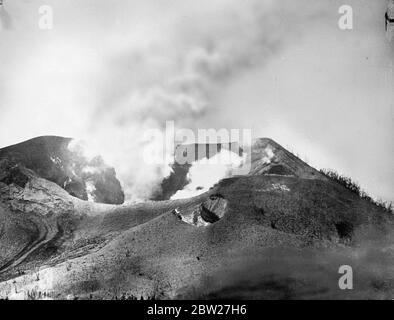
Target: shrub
(354,187)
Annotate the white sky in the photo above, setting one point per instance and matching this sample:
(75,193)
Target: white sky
(109,69)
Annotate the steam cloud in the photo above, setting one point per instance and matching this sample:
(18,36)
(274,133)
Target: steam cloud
(126,84)
(204,173)
(245,36)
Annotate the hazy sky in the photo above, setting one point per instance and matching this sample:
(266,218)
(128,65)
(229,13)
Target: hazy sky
(110,69)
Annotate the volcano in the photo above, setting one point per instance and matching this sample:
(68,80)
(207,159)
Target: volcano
(279,232)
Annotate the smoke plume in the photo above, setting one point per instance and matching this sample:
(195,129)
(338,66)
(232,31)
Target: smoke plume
(190,68)
(109,85)
(204,173)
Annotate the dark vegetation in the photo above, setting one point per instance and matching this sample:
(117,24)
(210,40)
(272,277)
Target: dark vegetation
(354,187)
(344,229)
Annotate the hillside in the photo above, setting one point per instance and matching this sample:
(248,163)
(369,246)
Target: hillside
(277,233)
(51,158)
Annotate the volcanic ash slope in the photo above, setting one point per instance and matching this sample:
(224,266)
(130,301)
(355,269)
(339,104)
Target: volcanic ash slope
(280,232)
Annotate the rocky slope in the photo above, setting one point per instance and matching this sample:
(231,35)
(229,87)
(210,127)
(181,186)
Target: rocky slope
(33,213)
(267,235)
(51,159)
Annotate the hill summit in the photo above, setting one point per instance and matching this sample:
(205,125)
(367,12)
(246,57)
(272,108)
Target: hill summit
(266,158)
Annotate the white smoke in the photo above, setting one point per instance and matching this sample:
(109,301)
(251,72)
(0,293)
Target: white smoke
(204,173)
(106,86)
(90,189)
(268,155)
(194,66)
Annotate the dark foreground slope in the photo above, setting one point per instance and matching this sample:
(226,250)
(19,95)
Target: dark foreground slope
(276,237)
(265,236)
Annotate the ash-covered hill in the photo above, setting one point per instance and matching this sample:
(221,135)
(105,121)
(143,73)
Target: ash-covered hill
(51,158)
(280,232)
